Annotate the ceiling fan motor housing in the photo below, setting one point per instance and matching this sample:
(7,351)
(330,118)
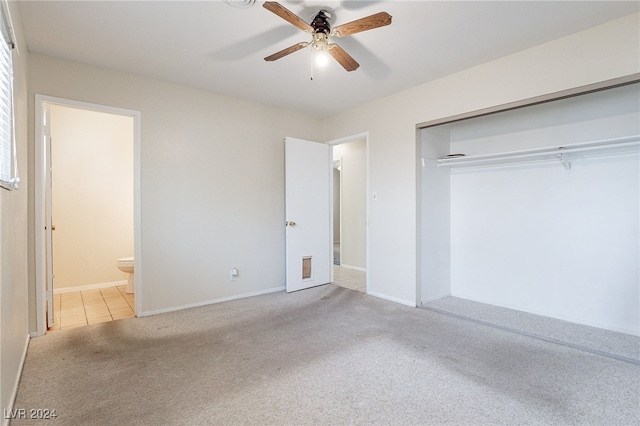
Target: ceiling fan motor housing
(320,22)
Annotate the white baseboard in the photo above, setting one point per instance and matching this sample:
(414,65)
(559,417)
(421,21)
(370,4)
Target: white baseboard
(357,268)
(210,302)
(16,382)
(392,299)
(88,287)
(434,298)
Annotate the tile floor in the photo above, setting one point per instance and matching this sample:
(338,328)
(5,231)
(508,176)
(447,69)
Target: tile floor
(82,308)
(350,278)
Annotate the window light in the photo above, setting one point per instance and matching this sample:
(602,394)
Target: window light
(8,157)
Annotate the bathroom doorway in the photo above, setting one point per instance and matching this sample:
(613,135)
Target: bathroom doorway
(88,178)
(350,207)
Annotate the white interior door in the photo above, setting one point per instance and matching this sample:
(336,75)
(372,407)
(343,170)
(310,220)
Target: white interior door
(308,214)
(48,225)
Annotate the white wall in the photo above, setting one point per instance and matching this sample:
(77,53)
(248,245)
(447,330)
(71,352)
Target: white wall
(212,181)
(92,195)
(14,296)
(435,216)
(353,194)
(598,54)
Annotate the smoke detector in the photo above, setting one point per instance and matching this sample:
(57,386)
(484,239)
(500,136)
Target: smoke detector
(240,4)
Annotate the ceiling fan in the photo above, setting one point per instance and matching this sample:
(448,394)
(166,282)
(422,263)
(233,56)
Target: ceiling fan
(320,30)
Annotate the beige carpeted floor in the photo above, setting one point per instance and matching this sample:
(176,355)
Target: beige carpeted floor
(327,355)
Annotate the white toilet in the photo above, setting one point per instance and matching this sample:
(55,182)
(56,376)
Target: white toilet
(125,264)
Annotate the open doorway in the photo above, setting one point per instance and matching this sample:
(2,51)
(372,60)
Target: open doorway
(349,200)
(86,213)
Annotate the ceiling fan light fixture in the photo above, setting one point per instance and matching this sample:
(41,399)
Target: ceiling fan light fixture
(321,58)
(240,4)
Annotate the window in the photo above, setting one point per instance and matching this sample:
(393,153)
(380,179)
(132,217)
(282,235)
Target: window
(8,159)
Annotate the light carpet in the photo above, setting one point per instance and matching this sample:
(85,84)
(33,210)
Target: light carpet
(326,355)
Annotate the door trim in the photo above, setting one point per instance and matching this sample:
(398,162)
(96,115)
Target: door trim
(40,192)
(536,100)
(339,141)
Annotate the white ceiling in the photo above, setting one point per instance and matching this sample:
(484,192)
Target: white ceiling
(213,46)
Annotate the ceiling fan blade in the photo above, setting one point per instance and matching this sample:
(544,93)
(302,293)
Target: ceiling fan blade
(287,51)
(287,15)
(380,19)
(342,57)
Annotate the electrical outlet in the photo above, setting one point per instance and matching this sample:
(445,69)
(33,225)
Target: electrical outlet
(233,275)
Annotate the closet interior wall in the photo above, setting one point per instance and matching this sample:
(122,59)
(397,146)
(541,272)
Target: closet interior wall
(537,237)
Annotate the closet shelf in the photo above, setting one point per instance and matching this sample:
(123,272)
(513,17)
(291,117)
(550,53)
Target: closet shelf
(565,153)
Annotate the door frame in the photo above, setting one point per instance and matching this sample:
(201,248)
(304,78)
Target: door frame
(41,183)
(340,141)
(332,206)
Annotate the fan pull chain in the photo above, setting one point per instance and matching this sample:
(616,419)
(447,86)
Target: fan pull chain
(312,61)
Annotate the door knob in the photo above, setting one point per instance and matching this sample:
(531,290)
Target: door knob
(290,223)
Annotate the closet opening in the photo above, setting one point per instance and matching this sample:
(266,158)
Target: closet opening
(535,208)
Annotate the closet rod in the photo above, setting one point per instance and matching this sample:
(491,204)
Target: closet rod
(549,152)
